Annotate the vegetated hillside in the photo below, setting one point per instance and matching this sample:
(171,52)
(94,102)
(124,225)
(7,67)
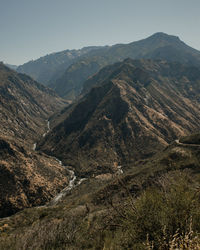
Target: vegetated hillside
(47,68)
(27,178)
(157,46)
(25,106)
(136,109)
(153,206)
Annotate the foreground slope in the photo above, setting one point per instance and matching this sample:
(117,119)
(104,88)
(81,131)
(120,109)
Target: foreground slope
(135,109)
(158,195)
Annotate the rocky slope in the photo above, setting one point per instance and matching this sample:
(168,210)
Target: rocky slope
(27,178)
(25,106)
(136,108)
(98,208)
(157,46)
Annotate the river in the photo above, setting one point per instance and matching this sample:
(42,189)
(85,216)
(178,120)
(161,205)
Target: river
(73,178)
(72,175)
(70,186)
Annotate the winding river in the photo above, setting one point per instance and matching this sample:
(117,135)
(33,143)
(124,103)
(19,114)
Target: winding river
(71,185)
(73,177)
(73,182)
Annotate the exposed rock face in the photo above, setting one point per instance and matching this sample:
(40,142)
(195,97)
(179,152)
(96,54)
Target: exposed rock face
(27,178)
(135,109)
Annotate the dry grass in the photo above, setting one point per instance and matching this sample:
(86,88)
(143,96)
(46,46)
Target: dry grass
(179,241)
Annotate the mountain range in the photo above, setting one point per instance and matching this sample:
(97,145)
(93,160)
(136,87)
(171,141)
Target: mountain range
(67,79)
(25,105)
(130,110)
(47,67)
(113,165)
(27,178)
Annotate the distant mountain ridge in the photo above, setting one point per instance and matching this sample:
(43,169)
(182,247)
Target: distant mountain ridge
(47,68)
(158,46)
(14,67)
(68,78)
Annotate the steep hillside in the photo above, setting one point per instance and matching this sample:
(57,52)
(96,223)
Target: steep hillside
(136,109)
(49,67)
(27,178)
(70,83)
(25,106)
(157,46)
(157,196)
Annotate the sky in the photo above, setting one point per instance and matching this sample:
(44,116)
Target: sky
(30,29)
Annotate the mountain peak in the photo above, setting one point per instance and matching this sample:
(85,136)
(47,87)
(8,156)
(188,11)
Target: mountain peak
(164,36)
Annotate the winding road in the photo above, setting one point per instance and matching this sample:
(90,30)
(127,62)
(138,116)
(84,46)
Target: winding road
(186,144)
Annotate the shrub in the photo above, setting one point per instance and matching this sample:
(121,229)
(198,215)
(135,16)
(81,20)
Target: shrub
(166,213)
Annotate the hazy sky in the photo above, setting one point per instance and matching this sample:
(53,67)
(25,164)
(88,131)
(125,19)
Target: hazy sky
(33,28)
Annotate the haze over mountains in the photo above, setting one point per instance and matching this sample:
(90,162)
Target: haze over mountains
(114,117)
(66,71)
(46,68)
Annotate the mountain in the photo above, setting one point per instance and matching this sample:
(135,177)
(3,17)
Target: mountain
(14,67)
(70,83)
(158,46)
(25,106)
(123,136)
(135,109)
(47,68)
(27,178)
(129,110)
